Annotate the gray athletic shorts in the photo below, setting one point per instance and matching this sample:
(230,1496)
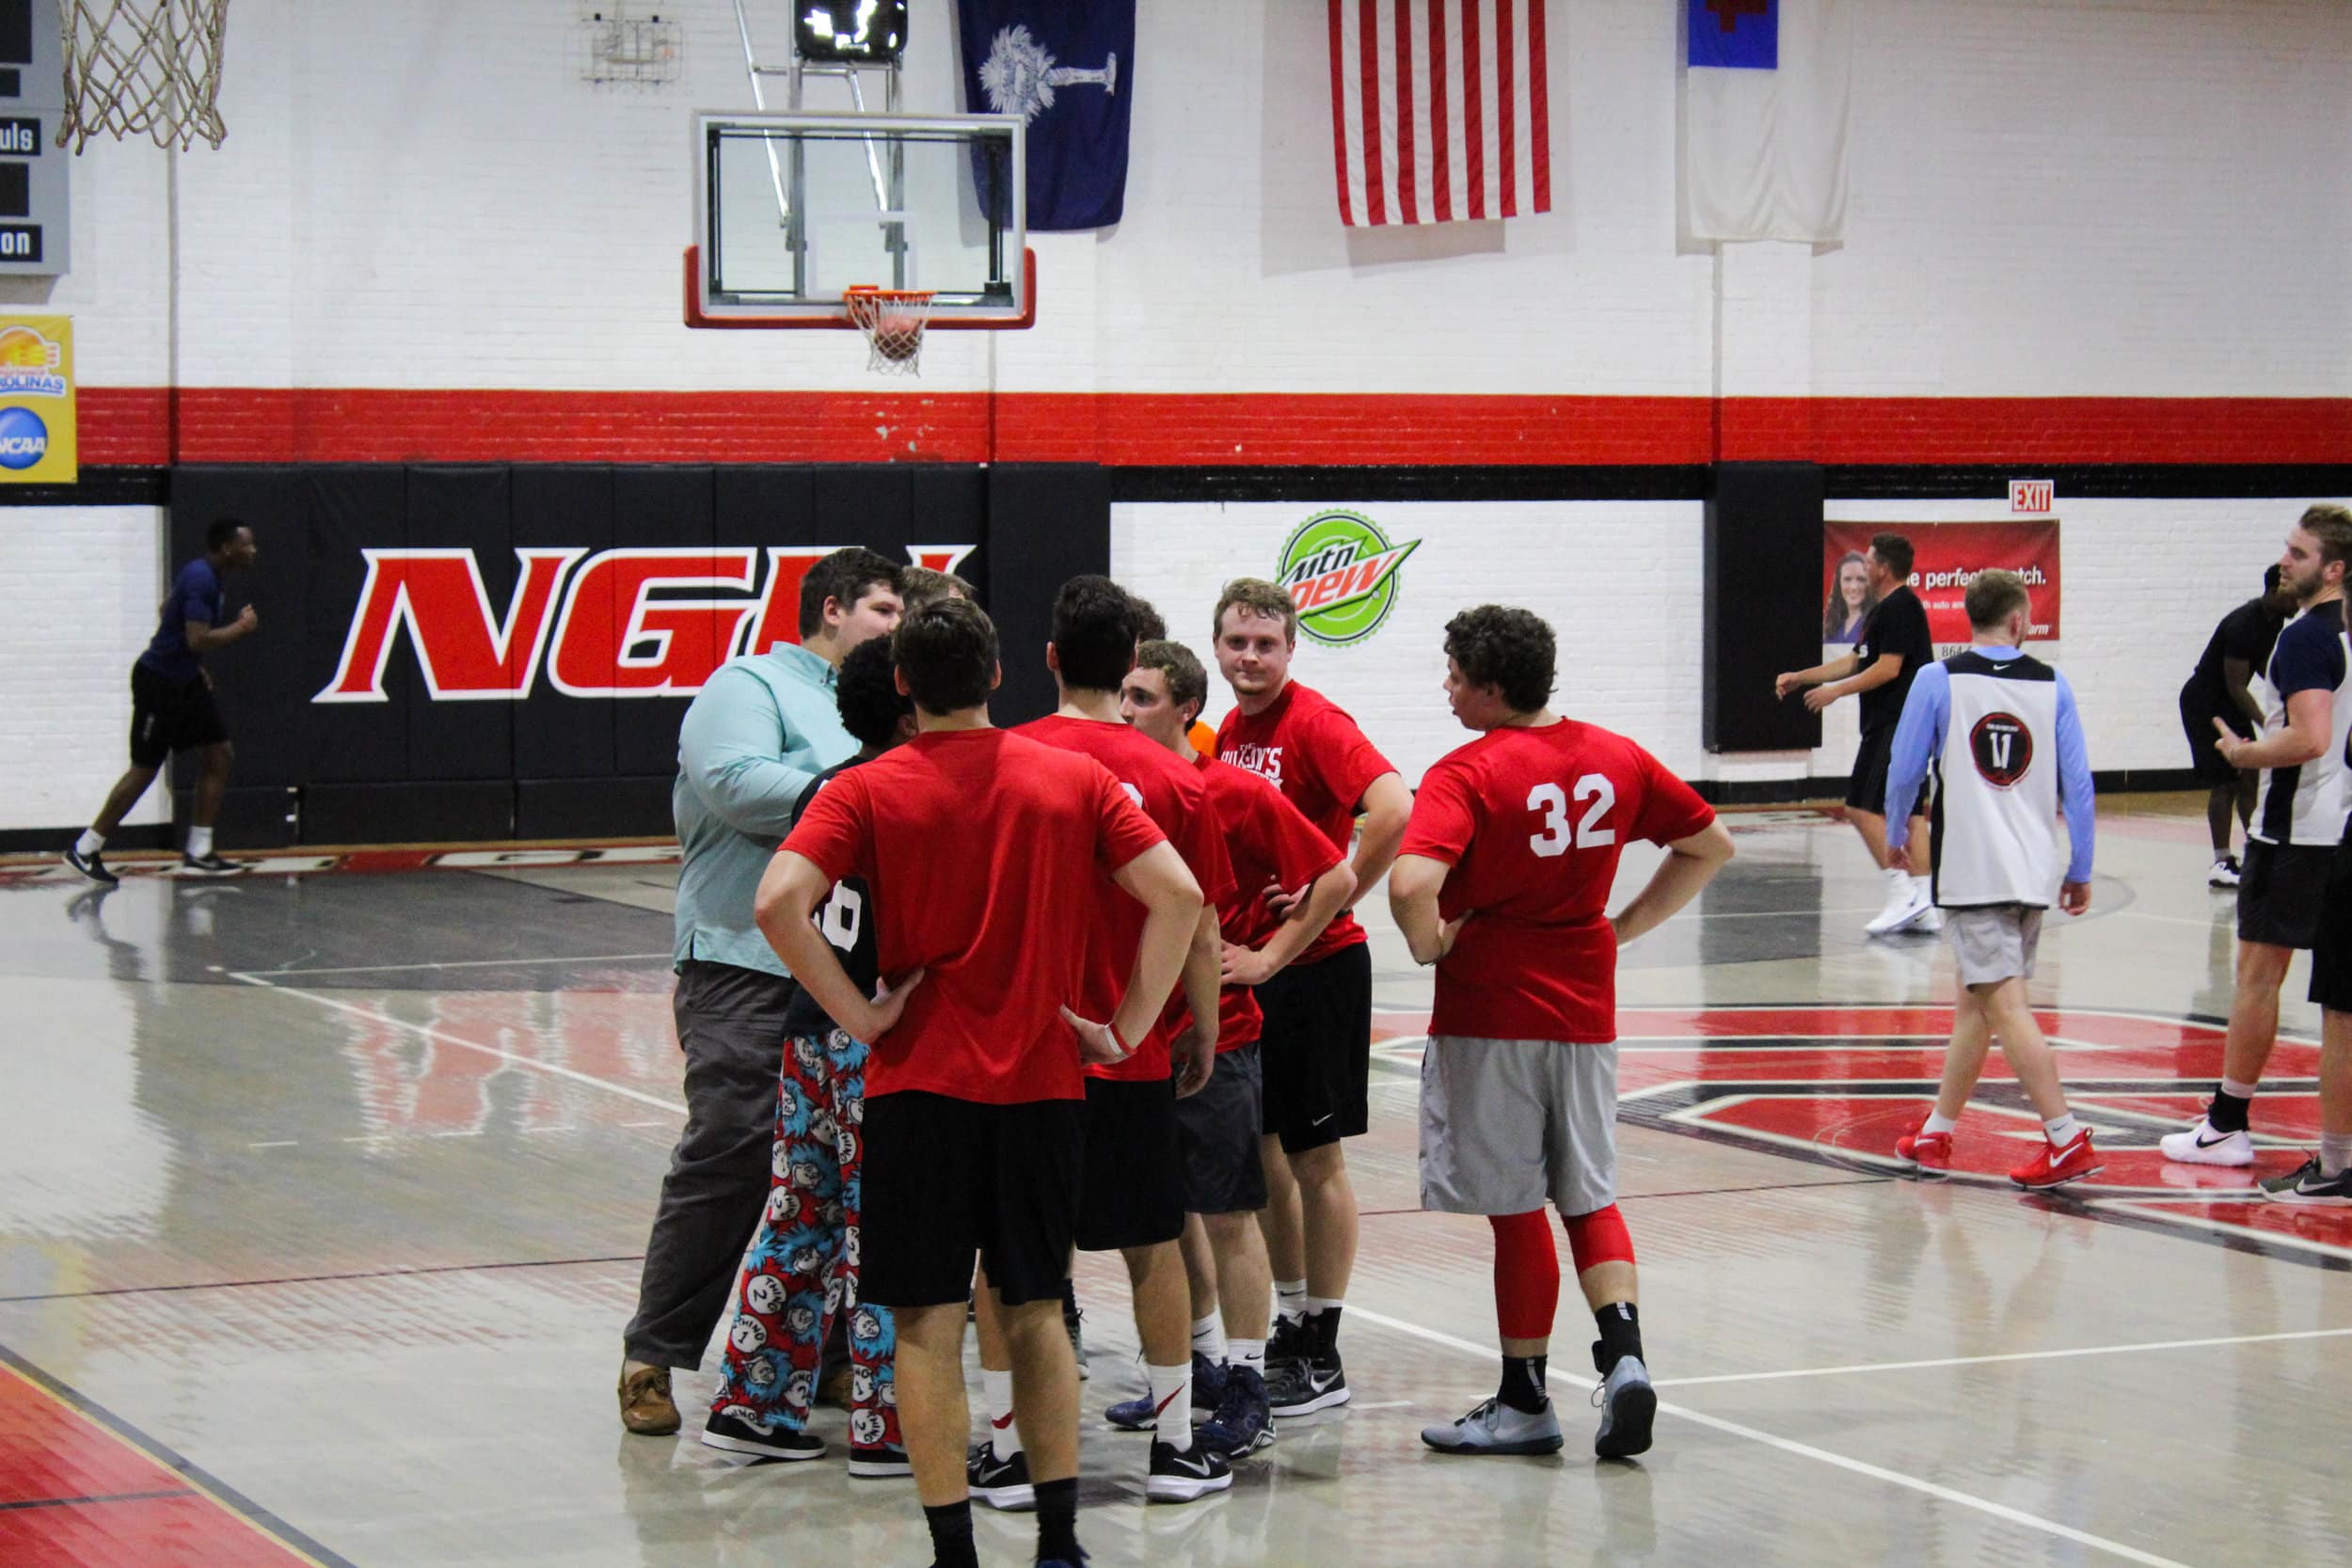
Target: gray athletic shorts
(1508,1125)
(1216,1137)
(1992,942)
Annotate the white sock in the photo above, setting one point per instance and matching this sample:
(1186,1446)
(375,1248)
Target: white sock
(1919,886)
(1939,1122)
(1208,1337)
(1323,1303)
(1290,1299)
(2061,1132)
(1898,879)
(2236,1090)
(1250,1354)
(2334,1153)
(1004,1438)
(1172,1397)
(199,842)
(90,843)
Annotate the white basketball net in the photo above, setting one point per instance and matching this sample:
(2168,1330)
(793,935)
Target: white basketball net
(143,68)
(892,320)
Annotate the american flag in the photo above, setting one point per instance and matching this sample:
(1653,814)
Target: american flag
(1439,110)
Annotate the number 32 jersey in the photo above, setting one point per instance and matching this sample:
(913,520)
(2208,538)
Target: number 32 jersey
(846,919)
(1532,822)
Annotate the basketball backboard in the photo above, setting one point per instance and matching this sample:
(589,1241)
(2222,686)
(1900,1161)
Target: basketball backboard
(793,209)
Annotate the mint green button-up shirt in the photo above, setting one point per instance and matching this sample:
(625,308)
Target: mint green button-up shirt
(762,728)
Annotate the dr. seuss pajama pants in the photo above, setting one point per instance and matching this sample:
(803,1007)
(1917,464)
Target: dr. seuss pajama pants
(802,1268)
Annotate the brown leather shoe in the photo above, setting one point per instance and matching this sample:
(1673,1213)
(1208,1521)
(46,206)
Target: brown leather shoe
(647,1408)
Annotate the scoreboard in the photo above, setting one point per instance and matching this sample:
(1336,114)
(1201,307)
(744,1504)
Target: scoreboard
(34,233)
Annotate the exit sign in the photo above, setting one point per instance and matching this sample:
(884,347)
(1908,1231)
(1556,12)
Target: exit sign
(2032,495)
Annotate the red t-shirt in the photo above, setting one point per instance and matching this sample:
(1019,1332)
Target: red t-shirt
(1173,797)
(1532,822)
(1309,748)
(1267,842)
(972,841)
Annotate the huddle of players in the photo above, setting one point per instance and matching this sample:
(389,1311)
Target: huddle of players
(1214,915)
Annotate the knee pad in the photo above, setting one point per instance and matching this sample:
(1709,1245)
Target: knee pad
(1598,1238)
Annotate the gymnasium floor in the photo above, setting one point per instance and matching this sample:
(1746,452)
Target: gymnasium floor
(323,1193)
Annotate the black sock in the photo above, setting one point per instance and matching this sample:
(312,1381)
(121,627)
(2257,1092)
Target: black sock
(2228,1111)
(951,1535)
(1620,1336)
(1069,1300)
(1325,1326)
(1058,1520)
(1523,1383)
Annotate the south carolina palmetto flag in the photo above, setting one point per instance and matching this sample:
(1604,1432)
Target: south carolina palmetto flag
(1441,110)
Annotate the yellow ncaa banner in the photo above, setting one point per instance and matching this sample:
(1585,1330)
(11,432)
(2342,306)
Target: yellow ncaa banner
(37,401)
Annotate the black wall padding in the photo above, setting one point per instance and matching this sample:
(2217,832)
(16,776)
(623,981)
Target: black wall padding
(552,765)
(1047,522)
(1763,591)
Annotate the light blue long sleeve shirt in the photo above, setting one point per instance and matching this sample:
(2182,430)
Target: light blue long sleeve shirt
(761,729)
(1927,713)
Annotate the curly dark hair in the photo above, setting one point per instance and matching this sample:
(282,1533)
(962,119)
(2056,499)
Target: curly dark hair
(1095,633)
(947,650)
(867,694)
(1510,649)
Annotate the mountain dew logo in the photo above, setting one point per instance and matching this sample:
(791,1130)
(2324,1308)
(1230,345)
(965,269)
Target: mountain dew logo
(1340,571)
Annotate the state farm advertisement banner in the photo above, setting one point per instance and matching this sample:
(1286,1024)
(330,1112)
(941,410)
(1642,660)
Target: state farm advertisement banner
(1944,557)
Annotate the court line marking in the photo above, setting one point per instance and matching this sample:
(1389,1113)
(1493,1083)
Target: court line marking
(453,963)
(1806,1450)
(438,1037)
(2014,1355)
(419,1272)
(296,1543)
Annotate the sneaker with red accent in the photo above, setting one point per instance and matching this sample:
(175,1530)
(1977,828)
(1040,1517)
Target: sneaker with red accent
(2054,1166)
(1929,1153)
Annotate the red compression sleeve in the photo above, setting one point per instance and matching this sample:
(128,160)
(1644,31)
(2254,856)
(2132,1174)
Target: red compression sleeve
(1598,1238)
(1527,1275)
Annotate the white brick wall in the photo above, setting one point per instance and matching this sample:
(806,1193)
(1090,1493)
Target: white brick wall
(2076,196)
(2143,582)
(86,582)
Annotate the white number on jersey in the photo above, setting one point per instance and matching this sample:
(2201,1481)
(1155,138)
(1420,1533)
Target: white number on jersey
(843,913)
(1557,837)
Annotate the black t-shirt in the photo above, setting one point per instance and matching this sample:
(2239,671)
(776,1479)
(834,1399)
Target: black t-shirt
(1898,625)
(847,918)
(2248,632)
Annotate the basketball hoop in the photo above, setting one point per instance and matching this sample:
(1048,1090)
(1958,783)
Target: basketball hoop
(892,320)
(149,67)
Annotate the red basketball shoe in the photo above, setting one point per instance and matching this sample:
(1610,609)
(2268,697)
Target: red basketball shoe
(2054,1166)
(1929,1153)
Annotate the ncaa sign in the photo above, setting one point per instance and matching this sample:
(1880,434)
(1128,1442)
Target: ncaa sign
(23,439)
(639,622)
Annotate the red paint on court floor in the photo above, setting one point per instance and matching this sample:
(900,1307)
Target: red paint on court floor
(74,1495)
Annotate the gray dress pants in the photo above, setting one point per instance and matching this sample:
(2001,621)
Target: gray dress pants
(730,1024)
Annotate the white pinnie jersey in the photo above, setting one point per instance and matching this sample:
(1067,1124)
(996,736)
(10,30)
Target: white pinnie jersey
(2306,804)
(1996,794)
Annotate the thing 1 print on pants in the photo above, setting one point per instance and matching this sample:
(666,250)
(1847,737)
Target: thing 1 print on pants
(802,1268)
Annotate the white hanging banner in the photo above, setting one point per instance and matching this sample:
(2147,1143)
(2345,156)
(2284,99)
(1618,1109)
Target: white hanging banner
(1768,106)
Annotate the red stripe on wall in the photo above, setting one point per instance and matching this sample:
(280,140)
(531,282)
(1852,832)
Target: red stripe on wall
(1473,110)
(1368,81)
(135,426)
(1408,184)
(1506,108)
(1339,115)
(1440,147)
(1539,103)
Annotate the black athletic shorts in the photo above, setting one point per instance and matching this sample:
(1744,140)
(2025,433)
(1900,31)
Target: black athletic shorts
(1133,1192)
(2282,892)
(2197,716)
(1216,1132)
(1866,789)
(2331,954)
(168,716)
(948,1181)
(1315,1049)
